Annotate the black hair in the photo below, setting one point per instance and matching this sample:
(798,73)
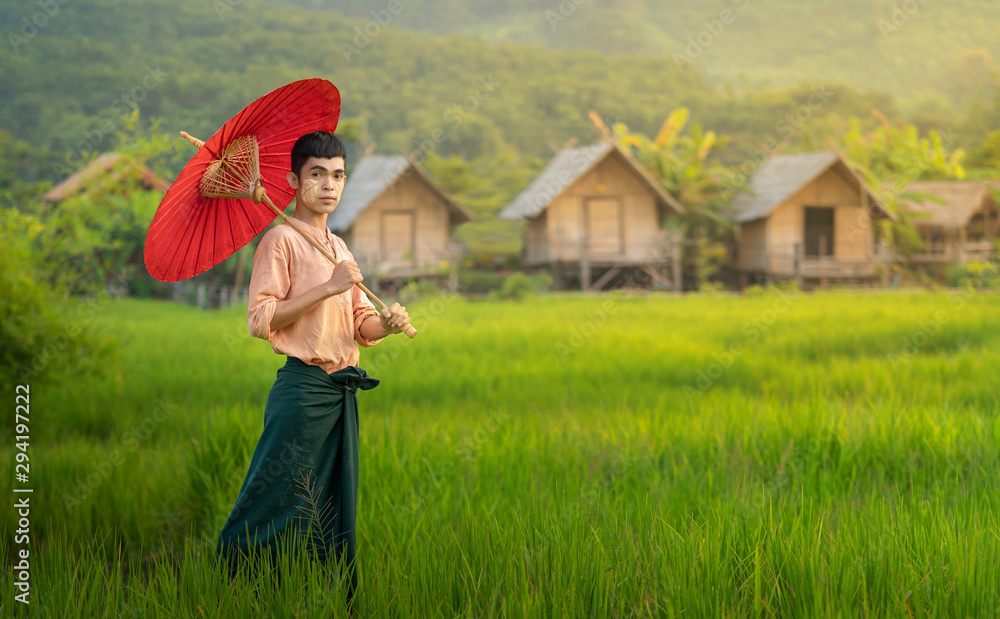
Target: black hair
(320,144)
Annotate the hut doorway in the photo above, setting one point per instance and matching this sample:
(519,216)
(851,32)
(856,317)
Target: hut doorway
(604,226)
(398,238)
(819,231)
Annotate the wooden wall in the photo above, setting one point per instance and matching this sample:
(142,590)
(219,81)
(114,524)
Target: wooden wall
(752,249)
(404,229)
(620,212)
(536,242)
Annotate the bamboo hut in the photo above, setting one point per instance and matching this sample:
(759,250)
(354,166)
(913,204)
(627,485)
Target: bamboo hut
(396,220)
(594,215)
(958,220)
(809,217)
(105,172)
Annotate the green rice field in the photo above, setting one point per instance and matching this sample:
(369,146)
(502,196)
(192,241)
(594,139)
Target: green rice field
(780,455)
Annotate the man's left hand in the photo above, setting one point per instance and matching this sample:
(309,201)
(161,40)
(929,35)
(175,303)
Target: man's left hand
(394,318)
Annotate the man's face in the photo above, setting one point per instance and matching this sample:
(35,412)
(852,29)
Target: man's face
(319,184)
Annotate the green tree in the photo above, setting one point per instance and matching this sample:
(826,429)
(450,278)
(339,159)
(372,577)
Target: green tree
(899,152)
(16,158)
(96,235)
(485,185)
(987,154)
(972,75)
(44,334)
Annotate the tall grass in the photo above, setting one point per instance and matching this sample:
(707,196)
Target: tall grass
(825,455)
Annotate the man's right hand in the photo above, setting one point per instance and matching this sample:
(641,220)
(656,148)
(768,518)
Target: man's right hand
(345,275)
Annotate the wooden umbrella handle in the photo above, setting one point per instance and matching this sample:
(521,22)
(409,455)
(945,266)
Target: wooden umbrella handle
(409,330)
(190,138)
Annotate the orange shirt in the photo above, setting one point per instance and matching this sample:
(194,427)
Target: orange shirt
(285,266)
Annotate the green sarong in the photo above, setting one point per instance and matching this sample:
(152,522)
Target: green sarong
(303,478)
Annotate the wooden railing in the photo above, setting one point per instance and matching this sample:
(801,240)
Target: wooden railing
(835,268)
(971,251)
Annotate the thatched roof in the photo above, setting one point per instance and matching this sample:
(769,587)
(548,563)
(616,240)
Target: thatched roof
(372,177)
(105,164)
(962,200)
(782,176)
(566,168)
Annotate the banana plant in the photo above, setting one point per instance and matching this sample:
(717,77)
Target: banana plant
(682,162)
(892,156)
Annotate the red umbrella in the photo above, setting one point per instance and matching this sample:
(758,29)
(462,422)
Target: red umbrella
(213,208)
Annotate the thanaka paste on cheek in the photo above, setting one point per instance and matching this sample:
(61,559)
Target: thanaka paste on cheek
(309,189)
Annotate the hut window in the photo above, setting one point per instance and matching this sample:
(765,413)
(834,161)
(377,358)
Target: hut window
(398,238)
(603,225)
(819,231)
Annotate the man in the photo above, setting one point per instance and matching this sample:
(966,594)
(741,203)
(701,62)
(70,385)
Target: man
(303,478)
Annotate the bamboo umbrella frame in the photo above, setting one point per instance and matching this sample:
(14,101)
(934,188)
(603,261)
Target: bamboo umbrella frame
(235,174)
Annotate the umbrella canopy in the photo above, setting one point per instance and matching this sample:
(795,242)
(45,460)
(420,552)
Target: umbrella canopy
(206,215)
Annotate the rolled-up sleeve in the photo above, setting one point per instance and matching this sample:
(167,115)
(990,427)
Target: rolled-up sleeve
(363,309)
(360,303)
(268,285)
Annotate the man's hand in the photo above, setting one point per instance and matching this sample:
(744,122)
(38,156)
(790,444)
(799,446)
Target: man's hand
(287,311)
(394,318)
(345,275)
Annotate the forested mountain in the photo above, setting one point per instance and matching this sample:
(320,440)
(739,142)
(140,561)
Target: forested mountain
(67,83)
(913,48)
(73,71)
